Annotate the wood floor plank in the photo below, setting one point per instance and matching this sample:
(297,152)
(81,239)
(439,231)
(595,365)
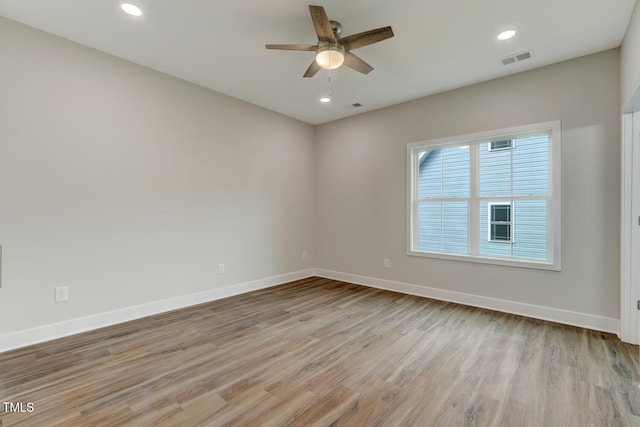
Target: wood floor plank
(319,352)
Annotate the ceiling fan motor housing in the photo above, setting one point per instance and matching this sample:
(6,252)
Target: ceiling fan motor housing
(336,27)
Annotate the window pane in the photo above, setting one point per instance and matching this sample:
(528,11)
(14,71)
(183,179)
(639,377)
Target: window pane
(456,165)
(495,171)
(430,175)
(500,213)
(443,227)
(429,226)
(455,234)
(530,219)
(530,166)
(444,173)
(501,232)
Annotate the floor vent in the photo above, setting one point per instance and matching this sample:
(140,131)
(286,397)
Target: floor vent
(511,59)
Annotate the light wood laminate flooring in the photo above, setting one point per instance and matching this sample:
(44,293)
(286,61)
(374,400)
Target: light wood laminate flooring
(318,352)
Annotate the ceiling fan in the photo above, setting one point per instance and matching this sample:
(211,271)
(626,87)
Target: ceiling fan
(332,51)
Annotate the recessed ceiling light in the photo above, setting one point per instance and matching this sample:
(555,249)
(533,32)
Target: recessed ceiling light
(506,35)
(131,9)
(325,99)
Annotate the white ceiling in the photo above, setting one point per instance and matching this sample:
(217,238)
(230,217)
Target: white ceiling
(438,44)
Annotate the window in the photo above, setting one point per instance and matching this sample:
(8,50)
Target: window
(505,144)
(500,221)
(492,197)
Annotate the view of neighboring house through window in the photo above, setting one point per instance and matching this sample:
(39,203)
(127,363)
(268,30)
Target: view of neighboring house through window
(488,198)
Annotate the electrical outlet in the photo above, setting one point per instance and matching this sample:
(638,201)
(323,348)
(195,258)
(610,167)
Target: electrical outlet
(387,263)
(305,255)
(62,293)
(221,268)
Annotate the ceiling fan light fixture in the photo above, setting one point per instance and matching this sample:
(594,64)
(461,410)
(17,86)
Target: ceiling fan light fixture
(330,57)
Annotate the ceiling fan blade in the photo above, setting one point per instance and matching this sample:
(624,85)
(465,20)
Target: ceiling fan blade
(306,47)
(352,61)
(321,24)
(366,38)
(312,70)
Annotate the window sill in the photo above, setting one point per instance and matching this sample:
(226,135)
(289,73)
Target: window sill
(511,262)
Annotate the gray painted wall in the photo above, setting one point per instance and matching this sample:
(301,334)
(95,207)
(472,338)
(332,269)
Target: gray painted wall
(361,185)
(130,186)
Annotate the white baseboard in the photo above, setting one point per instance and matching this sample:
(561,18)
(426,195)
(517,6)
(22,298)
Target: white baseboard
(74,326)
(44,333)
(583,320)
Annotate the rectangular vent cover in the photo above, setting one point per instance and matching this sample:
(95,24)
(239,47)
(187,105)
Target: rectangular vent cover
(517,57)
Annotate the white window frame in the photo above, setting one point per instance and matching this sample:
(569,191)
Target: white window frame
(554,206)
(489,222)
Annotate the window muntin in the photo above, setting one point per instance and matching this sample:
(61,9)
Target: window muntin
(454,181)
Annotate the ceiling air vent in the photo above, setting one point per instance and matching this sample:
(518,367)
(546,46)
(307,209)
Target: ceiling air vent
(517,57)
